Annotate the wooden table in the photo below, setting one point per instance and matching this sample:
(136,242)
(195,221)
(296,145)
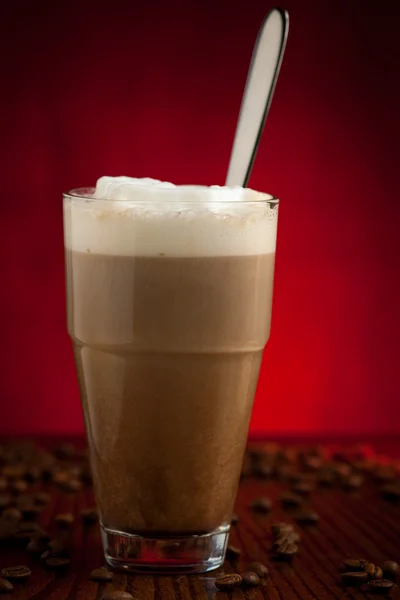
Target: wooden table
(352,524)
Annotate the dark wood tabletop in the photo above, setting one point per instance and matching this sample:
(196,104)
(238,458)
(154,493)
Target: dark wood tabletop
(362,522)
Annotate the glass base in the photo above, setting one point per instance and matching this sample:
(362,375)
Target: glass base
(191,554)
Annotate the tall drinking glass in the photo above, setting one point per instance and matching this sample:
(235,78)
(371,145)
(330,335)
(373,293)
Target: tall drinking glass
(169,306)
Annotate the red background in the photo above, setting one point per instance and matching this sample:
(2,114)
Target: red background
(154,89)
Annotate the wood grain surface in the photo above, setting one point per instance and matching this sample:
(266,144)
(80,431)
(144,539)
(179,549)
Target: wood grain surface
(352,524)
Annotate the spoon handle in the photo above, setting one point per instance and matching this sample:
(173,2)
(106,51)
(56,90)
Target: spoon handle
(260,85)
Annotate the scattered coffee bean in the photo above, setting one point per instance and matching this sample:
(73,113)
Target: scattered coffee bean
(373,571)
(289,537)
(57,548)
(70,485)
(101,574)
(261,505)
(3,484)
(12,514)
(281,527)
(354,577)
(235,519)
(390,569)
(354,564)
(116,595)
(57,562)
(33,474)
(303,488)
(65,520)
(89,515)
(353,482)
(42,498)
(258,568)
(5,500)
(7,529)
(37,546)
(228,581)
(326,477)
(286,551)
(307,517)
(233,552)
(19,572)
(19,486)
(6,586)
(380,586)
(250,579)
(13,472)
(289,500)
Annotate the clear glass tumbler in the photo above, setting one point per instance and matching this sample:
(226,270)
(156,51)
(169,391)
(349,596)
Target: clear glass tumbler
(169,307)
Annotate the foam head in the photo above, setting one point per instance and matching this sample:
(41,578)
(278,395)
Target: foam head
(148,217)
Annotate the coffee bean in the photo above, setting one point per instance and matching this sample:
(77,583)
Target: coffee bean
(13,472)
(263,471)
(33,474)
(289,537)
(286,551)
(391,492)
(12,514)
(354,564)
(373,571)
(65,520)
(326,477)
(101,574)
(57,548)
(36,546)
(7,529)
(116,595)
(353,482)
(19,486)
(258,568)
(303,488)
(228,581)
(57,562)
(250,579)
(6,587)
(261,505)
(307,517)
(235,519)
(289,500)
(5,500)
(380,586)
(19,572)
(41,498)
(89,515)
(354,577)
(390,569)
(281,527)
(70,485)
(3,484)
(233,552)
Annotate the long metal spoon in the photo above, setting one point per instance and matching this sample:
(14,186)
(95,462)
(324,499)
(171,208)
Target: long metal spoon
(260,85)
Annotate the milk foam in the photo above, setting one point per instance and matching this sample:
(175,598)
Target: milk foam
(147,217)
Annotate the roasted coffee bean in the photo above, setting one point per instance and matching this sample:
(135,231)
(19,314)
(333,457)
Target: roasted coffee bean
(380,586)
(70,485)
(354,564)
(116,595)
(263,471)
(261,505)
(235,519)
(37,546)
(228,581)
(326,476)
(89,515)
(390,569)
(354,577)
(286,551)
(33,474)
(19,572)
(289,500)
(13,472)
(304,488)
(281,527)
(12,514)
(250,579)
(65,520)
(101,574)
(41,498)
(19,486)
(391,492)
(57,562)
(353,482)
(64,451)
(233,552)
(57,548)
(3,484)
(5,500)
(373,571)
(307,517)
(289,537)
(7,529)
(342,470)
(258,568)
(6,586)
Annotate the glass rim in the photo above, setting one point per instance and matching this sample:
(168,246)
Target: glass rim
(85,194)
